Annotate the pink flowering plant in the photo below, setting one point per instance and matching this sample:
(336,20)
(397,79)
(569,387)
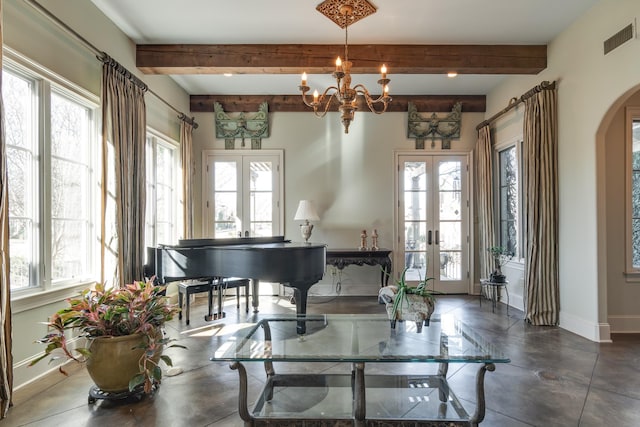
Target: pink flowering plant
(138,308)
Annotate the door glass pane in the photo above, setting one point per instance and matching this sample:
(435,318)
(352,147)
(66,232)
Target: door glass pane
(415,177)
(261,209)
(449,227)
(261,176)
(450,265)
(416,265)
(225,178)
(260,198)
(415,236)
(225,215)
(261,229)
(414,205)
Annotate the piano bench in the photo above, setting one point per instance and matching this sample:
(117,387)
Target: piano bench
(188,288)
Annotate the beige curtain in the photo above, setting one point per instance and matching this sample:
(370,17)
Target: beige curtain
(188,168)
(540,177)
(484,180)
(6,357)
(124,115)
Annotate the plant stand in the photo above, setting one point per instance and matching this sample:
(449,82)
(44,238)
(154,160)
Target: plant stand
(95,393)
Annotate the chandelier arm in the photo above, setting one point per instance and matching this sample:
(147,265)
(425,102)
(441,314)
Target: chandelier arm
(305,89)
(384,99)
(362,90)
(325,109)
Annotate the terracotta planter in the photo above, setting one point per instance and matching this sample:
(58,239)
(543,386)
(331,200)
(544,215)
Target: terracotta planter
(114,361)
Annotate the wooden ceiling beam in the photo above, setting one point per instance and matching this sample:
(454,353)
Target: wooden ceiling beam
(319,59)
(293,103)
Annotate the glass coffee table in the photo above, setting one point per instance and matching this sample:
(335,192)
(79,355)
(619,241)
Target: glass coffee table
(351,396)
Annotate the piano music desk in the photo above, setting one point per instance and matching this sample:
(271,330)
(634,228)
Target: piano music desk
(188,288)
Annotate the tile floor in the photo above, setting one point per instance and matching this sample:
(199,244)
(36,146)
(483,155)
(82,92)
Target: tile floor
(555,378)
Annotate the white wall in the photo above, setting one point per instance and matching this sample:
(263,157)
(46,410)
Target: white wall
(588,85)
(34,36)
(349,177)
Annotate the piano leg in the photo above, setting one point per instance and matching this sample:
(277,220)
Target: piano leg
(255,301)
(300,295)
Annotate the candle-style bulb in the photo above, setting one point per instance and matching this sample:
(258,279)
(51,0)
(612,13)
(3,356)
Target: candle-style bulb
(338,64)
(315,95)
(304,79)
(383,71)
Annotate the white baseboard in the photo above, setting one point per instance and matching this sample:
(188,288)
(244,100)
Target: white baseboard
(625,324)
(598,332)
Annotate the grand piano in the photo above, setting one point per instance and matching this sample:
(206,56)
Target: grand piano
(270,259)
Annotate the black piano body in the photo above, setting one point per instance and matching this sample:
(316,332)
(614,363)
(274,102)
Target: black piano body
(270,259)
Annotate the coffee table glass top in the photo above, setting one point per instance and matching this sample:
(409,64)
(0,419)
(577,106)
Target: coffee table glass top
(357,338)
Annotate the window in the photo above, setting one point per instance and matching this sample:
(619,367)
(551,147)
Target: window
(162,225)
(51,136)
(508,198)
(633,195)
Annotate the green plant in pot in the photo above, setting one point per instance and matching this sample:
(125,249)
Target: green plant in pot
(501,256)
(412,303)
(118,324)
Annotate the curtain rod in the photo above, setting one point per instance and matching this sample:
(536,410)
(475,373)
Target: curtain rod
(513,102)
(101,55)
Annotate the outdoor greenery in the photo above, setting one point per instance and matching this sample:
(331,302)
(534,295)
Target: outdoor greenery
(501,256)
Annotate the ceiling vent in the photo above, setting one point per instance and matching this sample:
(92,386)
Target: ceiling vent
(622,36)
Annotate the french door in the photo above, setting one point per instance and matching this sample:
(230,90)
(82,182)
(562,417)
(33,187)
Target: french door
(241,193)
(433,220)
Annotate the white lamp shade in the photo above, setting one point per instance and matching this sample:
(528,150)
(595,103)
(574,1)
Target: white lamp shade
(306,211)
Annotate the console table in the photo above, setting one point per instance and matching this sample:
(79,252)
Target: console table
(340,258)
(345,395)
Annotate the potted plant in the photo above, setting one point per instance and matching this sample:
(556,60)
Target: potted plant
(120,325)
(412,303)
(501,256)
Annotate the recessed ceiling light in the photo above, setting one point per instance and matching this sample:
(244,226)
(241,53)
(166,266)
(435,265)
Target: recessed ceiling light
(451,74)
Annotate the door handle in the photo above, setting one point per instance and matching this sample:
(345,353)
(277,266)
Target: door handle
(429,237)
(437,237)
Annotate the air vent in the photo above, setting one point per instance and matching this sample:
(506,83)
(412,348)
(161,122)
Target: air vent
(618,38)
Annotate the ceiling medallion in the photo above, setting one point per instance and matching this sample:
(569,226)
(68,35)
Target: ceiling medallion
(332,9)
(343,92)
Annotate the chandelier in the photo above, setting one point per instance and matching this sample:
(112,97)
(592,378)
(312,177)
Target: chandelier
(346,95)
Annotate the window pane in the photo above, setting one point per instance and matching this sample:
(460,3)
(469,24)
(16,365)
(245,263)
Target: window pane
(635,193)
(21,252)
(70,201)
(509,199)
(20,122)
(18,99)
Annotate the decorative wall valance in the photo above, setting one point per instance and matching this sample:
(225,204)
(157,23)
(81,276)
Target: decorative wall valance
(255,127)
(434,127)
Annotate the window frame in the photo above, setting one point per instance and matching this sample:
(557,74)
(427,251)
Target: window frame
(42,289)
(155,138)
(498,148)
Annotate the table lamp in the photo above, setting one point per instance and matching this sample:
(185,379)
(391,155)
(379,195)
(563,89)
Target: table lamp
(306,211)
